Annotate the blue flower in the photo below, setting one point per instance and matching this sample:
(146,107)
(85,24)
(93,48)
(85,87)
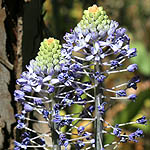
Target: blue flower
(79,144)
(26,88)
(20,116)
(91,108)
(37,101)
(135,134)
(81,130)
(67,102)
(19,95)
(132,68)
(20,124)
(50,89)
(101,108)
(65,78)
(116,130)
(131,53)
(141,120)
(133,82)
(45,113)
(132,97)
(121,93)
(62,138)
(99,77)
(28,108)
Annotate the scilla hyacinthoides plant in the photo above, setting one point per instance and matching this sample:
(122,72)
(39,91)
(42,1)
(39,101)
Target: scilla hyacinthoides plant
(73,75)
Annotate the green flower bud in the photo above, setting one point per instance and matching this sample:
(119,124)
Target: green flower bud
(55,56)
(96,17)
(56,61)
(49,55)
(57,67)
(50,65)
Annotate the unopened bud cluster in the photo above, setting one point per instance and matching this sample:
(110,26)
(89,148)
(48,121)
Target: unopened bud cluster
(49,57)
(94,19)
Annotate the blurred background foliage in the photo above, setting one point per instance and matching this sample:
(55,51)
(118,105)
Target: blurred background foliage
(61,16)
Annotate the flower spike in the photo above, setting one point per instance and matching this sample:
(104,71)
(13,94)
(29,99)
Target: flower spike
(73,75)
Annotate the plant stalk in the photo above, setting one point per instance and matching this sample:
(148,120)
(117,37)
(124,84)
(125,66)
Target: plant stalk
(98,126)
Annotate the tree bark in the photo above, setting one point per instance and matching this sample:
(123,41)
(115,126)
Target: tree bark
(20,36)
(6,110)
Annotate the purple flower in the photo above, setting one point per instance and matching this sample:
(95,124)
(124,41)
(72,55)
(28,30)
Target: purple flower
(141,120)
(91,108)
(120,31)
(79,144)
(20,116)
(19,146)
(116,130)
(131,52)
(57,118)
(75,67)
(101,108)
(28,108)
(37,101)
(121,93)
(20,124)
(65,78)
(45,113)
(26,88)
(22,81)
(69,37)
(61,122)
(132,97)
(93,51)
(79,91)
(99,77)
(132,68)
(115,63)
(66,143)
(80,130)
(62,138)
(132,83)
(19,95)
(67,102)
(56,108)
(138,132)
(50,89)
(135,134)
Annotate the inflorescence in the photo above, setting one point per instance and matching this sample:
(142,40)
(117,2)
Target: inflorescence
(74,75)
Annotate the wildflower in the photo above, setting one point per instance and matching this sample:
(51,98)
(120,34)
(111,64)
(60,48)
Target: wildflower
(101,108)
(117,131)
(132,83)
(79,144)
(135,134)
(132,97)
(19,95)
(80,130)
(132,68)
(28,108)
(141,120)
(73,75)
(121,93)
